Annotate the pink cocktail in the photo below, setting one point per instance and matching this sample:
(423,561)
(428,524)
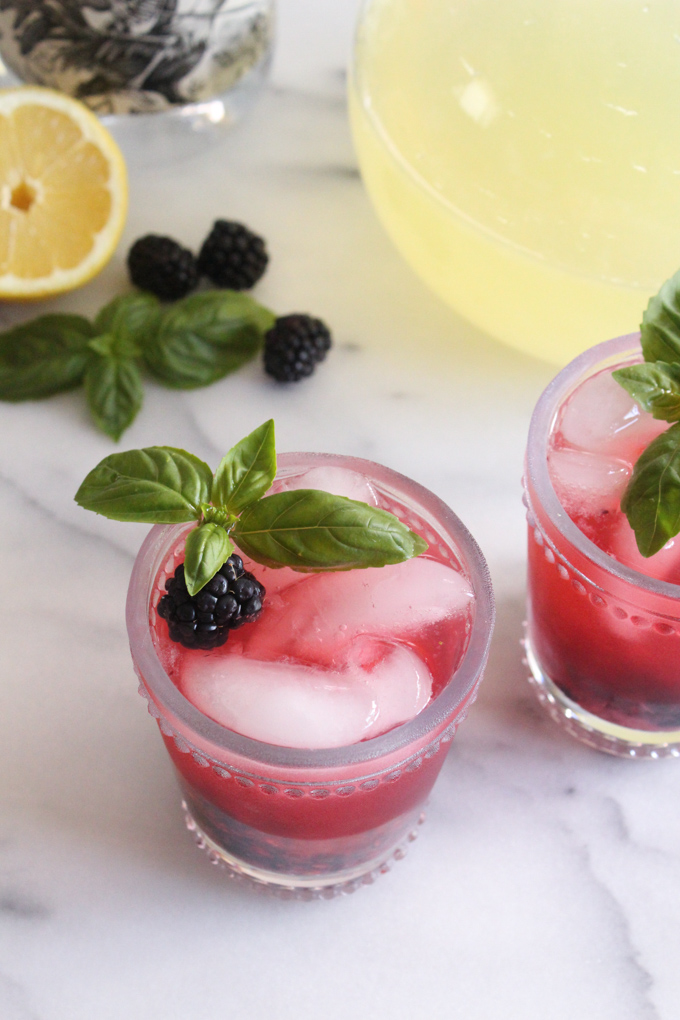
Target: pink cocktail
(603,637)
(307,745)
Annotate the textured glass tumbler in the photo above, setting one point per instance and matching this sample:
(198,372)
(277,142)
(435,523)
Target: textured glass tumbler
(603,640)
(311,823)
(197,62)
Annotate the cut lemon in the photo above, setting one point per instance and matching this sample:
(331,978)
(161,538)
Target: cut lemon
(63,193)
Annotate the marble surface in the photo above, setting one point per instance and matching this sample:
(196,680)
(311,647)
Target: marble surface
(546,882)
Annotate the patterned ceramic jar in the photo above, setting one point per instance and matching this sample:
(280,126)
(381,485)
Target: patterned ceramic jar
(142,56)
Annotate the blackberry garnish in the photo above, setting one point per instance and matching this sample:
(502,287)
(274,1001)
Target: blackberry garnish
(162,266)
(230,599)
(232,256)
(294,346)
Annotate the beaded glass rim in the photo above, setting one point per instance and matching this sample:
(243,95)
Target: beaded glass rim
(156,546)
(610,354)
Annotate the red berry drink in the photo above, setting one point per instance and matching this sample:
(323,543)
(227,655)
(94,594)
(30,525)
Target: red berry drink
(307,745)
(603,638)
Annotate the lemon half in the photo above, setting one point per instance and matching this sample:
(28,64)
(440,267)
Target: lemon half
(63,193)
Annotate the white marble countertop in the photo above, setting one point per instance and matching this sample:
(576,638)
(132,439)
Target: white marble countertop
(546,883)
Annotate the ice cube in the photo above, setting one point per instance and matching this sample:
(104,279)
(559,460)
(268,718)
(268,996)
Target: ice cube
(316,620)
(587,483)
(602,417)
(301,706)
(336,480)
(274,579)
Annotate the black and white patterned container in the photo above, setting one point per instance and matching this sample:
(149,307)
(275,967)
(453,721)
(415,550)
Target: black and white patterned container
(136,56)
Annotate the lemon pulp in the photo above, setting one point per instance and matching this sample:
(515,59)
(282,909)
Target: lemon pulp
(63,193)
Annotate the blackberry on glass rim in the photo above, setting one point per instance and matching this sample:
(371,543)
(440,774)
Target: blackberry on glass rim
(231,598)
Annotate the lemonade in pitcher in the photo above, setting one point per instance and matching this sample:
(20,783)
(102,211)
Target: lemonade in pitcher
(522,159)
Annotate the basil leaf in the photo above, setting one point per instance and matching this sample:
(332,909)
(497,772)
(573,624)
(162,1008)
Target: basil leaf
(204,337)
(43,357)
(247,471)
(651,501)
(113,387)
(156,485)
(131,318)
(207,548)
(113,345)
(656,387)
(660,329)
(244,307)
(311,530)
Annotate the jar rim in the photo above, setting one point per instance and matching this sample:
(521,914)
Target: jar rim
(463,680)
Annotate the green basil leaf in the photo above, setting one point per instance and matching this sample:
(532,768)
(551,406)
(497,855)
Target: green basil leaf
(43,357)
(247,471)
(156,485)
(656,387)
(651,501)
(207,548)
(132,319)
(311,530)
(114,345)
(660,329)
(103,344)
(114,391)
(204,337)
(242,306)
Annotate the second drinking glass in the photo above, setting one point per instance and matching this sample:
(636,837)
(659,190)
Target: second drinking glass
(603,632)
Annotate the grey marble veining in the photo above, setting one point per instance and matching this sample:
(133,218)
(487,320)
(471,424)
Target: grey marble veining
(546,881)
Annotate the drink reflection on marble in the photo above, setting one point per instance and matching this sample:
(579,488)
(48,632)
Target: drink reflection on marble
(306,747)
(603,637)
(524,168)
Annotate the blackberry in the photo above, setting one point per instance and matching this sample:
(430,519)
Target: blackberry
(230,599)
(294,346)
(232,256)
(162,266)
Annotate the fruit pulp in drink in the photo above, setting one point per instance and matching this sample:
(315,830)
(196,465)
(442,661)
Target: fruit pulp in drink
(334,659)
(520,157)
(611,648)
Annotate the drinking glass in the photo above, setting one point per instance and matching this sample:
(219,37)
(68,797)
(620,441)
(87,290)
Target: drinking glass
(603,640)
(311,823)
(520,157)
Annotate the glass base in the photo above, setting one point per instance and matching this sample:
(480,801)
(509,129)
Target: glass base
(590,729)
(298,887)
(161,138)
(151,139)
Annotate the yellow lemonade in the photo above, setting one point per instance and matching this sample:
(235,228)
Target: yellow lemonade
(524,156)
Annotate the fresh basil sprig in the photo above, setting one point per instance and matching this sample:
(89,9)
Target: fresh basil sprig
(651,501)
(660,329)
(305,529)
(192,343)
(655,387)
